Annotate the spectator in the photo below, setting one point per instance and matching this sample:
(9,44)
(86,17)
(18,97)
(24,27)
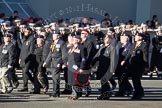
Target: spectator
(154,21)
(107,21)
(2,17)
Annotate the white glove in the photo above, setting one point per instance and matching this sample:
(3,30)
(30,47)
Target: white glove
(9,66)
(97,46)
(81,71)
(19,61)
(44,64)
(63,66)
(122,63)
(58,65)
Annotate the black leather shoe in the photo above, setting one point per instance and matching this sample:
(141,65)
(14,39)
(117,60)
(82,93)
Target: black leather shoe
(9,90)
(66,92)
(114,86)
(119,94)
(54,95)
(35,92)
(87,93)
(159,75)
(103,98)
(23,90)
(15,85)
(73,97)
(45,90)
(151,75)
(128,93)
(137,97)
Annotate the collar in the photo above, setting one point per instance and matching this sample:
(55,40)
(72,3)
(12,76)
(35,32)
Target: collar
(6,44)
(56,40)
(139,42)
(107,45)
(124,44)
(76,45)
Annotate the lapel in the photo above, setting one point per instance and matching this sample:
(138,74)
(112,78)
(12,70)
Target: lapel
(138,46)
(58,41)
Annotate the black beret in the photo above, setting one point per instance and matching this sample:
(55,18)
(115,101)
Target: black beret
(8,35)
(77,36)
(40,36)
(125,34)
(140,34)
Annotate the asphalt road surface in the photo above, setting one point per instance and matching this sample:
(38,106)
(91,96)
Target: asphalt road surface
(152,99)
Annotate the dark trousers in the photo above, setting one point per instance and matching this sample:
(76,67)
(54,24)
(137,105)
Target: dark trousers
(56,80)
(124,85)
(67,86)
(105,88)
(40,78)
(13,76)
(37,85)
(112,81)
(76,91)
(43,79)
(136,74)
(156,60)
(27,75)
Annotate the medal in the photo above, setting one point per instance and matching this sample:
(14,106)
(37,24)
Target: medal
(58,49)
(138,52)
(4,51)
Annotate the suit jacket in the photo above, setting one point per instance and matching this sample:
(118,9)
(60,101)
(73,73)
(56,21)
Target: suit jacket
(77,59)
(157,43)
(138,56)
(106,57)
(56,57)
(46,49)
(81,58)
(27,50)
(91,50)
(7,55)
(121,54)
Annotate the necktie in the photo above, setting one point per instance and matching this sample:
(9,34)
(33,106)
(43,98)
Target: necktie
(72,50)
